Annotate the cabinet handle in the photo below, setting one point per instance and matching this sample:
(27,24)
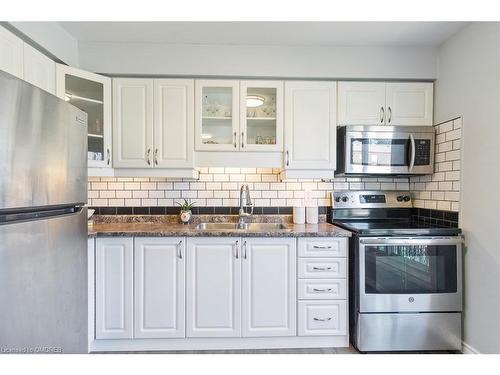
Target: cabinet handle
(245,250)
(389,117)
(322,319)
(287,158)
(322,268)
(382,115)
(242,139)
(234,138)
(155,156)
(109,156)
(322,290)
(148,154)
(321,247)
(236,246)
(179,249)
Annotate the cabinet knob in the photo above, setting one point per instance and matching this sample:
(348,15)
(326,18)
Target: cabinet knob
(237,255)
(234,139)
(155,156)
(382,115)
(242,139)
(287,158)
(108,153)
(148,154)
(389,115)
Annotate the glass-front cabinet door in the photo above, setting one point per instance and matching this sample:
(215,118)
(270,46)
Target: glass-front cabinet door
(92,94)
(261,116)
(217,115)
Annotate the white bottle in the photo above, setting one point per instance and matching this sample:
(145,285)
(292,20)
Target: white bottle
(312,215)
(299,215)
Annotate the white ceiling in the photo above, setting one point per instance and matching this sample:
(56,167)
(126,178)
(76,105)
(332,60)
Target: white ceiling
(388,34)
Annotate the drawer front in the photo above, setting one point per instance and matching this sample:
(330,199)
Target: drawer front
(322,268)
(322,247)
(322,289)
(318,318)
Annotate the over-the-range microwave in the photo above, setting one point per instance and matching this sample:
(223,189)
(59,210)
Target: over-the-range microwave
(385,150)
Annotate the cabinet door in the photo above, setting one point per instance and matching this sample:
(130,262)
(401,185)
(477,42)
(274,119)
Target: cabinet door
(409,103)
(39,70)
(11,53)
(159,287)
(213,307)
(268,287)
(261,116)
(174,123)
(92,94)
(217,115)
(114,288)
(361,103)
(132,123)
(310,123)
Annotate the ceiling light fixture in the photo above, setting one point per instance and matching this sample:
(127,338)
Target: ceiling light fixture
(255,101)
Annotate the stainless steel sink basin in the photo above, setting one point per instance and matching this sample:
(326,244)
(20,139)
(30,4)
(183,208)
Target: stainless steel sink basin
(251,227)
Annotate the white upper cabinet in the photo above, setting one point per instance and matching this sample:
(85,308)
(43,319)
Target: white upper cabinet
(159,298)
(268,287)
(114,283)
(385,103)
(92,94)
(361,103)
(310,125)
(11,53)
(133,123)
(409,103)
(261,116)
(173,123)
(217,115)
(213,305)
(39,70)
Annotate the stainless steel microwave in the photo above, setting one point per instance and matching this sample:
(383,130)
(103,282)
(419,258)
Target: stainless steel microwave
(385,150)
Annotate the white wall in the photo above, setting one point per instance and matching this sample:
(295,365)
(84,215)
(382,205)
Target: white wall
(468,85)
(261,61)
(52,37)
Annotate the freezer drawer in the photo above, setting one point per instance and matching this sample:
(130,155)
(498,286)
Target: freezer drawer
(43,274)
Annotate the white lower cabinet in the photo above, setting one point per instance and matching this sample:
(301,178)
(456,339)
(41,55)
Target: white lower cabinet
(213,306)
(159,298)
(268,287)
(114,259)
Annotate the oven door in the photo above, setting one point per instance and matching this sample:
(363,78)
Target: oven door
(389,151)
(410,274)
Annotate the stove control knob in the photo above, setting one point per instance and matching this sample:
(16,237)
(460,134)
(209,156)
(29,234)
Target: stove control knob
(337,199)
(406,198)
(345,199)
(400,198)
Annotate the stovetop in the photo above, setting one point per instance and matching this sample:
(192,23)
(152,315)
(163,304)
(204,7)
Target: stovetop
(395,227)
(383,213)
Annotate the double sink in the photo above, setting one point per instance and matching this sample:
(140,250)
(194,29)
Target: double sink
(249,227)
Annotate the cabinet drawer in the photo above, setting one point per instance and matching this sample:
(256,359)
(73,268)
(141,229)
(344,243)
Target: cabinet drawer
(322,268)
(322,247)
(322,289)
(322,318)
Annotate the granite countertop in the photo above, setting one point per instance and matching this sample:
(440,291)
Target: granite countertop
(165,226)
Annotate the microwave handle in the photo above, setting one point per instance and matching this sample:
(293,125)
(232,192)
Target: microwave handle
(412,153)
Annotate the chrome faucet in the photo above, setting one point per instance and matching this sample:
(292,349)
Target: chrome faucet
(245,190)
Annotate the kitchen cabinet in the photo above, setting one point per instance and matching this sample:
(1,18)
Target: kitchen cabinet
(213,281)
(159,298)
(173,123)
(385,103)
(114,288)
(92,94)
(132,122)
(11,53)
(38,69)
(235,115)
(322,318)
(268,287)
(310,126)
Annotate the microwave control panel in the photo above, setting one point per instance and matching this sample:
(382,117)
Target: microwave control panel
(422,151)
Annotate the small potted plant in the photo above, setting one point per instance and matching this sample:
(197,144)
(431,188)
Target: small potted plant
(186,213)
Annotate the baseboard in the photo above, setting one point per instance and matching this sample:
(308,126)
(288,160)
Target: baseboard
(467,349)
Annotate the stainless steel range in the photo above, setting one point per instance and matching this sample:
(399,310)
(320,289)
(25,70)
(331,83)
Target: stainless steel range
(406,276)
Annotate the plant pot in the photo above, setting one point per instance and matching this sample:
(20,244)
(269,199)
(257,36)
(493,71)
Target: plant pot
(186,216)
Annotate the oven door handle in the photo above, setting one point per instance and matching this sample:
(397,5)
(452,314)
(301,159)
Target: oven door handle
(412,153)
(455,240)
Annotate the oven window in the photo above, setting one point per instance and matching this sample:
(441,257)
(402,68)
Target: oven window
(383,152)
(414,269)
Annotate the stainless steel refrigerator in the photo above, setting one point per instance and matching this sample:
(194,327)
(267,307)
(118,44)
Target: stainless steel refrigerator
(43,224)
